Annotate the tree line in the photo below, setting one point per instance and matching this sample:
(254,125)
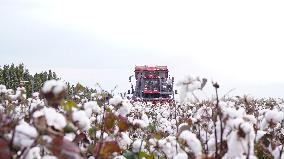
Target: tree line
(12,75)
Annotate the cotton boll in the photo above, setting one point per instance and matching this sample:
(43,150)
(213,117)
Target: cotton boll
(260,134)
(82,119)
(173,121)
(191,140)
(3,89)
(139,123)
(250,118)
(14,97)
(274,116)
(115,100)
(70,136)
(100,118)
(98,134)
(89,112)
(119,157)
(235,148)
(25,128)
(138,145)
(56,87)
(49,157)
(93,95)
(33,106)
(166,113)
(264,124)
(2,109)
(125,108)
(91,107)
(143,123)
(246,127)
(21,89)
(93,119)
(276,152)
(145,118)
(54,118)
(34,153)
(168,149)
(124,141)
(211,145)
(23,141)
(153,142)
(96,109)
(59,88)
(35,95)
(223,105)
(38,113)
(241,136)
(269,115)
(233,113)
(24,134)
(279,117)
(47,139)
(10,91)
(48,85)
(168,146)
(235,123)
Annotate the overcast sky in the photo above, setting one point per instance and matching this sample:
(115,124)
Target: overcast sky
(238,43)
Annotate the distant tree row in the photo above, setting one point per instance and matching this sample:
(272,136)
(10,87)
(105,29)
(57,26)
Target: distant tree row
(11,76)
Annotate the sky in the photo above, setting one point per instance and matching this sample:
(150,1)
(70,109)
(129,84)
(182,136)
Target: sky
(240,43)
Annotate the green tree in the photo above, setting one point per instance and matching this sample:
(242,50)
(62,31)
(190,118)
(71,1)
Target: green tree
(11,76)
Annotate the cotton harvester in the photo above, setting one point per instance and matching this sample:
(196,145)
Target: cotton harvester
(152,84)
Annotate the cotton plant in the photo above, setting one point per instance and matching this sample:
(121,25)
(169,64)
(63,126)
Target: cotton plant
(48,125)
(270,136)
(28,133)
(240,141)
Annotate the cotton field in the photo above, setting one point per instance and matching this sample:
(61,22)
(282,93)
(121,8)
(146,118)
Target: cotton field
(102,126)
